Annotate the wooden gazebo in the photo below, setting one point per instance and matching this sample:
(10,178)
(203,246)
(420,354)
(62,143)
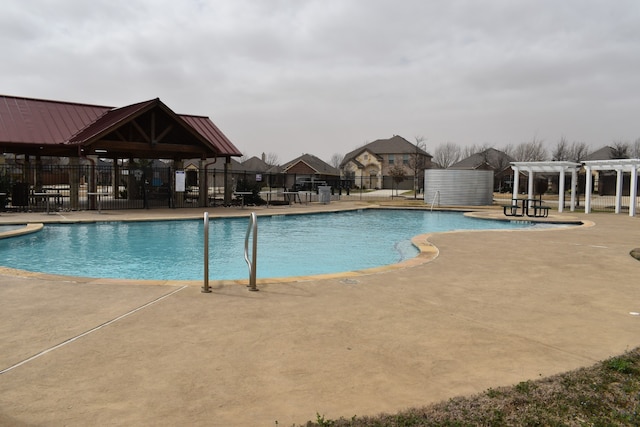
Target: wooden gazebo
(145,130)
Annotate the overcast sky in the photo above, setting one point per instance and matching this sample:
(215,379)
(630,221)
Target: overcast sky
(324,77)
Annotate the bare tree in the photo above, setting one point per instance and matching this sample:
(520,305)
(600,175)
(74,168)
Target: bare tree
(561,150)
(270,159)
(447,154)
(635,149)
(398,174)
(620,150)
(532,151)
(336,159)
(417,163)
(508,150)
(578,151)
(574,152)
(470,150)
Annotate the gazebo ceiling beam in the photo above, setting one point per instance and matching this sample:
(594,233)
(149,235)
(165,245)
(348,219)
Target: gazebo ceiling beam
(133,147)
(142,132)
(164,133)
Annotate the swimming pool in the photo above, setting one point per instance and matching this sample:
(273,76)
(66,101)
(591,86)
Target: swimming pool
(5,228)
(288,245)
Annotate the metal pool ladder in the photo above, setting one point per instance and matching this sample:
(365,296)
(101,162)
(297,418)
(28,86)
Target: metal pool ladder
(252,228)
(436,195)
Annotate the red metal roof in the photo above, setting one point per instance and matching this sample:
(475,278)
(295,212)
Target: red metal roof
(209,130)
(37,121)
(27,121)
(109,120)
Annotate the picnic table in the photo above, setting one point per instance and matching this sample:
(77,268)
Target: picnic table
(526,207)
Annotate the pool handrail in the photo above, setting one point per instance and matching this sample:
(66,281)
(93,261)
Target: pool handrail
(252,228)
(436,195)
(205,288)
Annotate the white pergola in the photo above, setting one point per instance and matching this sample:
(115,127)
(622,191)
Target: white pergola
(620,166)
(561,168)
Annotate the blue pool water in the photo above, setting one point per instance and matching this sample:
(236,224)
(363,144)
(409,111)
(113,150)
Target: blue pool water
(5,228)
(288,245)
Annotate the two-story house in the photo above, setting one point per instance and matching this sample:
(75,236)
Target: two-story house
(369,166)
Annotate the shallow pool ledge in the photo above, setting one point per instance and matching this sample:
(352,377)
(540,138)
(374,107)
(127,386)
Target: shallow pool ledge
(28,228)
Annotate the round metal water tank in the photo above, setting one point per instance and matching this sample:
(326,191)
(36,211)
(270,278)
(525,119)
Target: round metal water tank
(456,187)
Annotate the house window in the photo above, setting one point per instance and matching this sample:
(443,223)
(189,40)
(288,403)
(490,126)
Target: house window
(391,159)
(366,157)
(405,159)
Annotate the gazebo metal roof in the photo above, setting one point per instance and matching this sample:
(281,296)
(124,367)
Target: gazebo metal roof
(147,129)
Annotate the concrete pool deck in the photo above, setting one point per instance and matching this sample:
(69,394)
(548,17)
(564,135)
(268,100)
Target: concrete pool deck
(493,308)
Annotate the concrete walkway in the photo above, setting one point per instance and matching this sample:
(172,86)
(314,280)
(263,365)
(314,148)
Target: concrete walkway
(492,309)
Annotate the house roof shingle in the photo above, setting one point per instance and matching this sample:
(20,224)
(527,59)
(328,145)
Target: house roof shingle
(255,164)
(394,145)
(489,157)
(604,153)
(318,165)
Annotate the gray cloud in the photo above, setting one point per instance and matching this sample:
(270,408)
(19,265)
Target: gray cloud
(325,76)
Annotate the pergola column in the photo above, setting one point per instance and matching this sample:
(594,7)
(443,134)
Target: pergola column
(588,188)
(561,191)
(619,190)
(633,190)
(516,181)
(530,184)
(574,186)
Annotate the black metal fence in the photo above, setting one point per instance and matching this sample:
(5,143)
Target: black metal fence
(105,185)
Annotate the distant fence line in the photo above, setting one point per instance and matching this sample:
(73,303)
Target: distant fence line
(88,187)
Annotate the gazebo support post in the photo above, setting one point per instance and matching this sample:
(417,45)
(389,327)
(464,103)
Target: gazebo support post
(74,183)
(203,188)
(227,184)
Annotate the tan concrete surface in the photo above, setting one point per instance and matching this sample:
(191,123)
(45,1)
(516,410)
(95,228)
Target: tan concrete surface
(493,308)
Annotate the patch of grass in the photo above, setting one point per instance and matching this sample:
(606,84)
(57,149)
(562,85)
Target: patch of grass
(606,394)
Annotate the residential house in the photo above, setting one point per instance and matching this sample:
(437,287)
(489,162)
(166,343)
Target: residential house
(491,159)
(369,166)
(256,164)
(307,172)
